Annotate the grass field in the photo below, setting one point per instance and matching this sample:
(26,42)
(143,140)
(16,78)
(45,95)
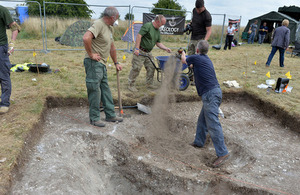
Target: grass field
(29,97)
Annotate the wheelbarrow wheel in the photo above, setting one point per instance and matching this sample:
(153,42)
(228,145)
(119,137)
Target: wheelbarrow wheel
(184,82)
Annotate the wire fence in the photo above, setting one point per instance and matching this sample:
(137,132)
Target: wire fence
(219,21)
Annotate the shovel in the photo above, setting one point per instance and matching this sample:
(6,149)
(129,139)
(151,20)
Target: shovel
(121,113)
(119,95)
(140,107)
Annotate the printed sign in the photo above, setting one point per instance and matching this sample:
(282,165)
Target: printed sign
(174,24)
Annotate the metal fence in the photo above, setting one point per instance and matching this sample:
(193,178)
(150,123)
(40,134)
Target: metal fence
(131,10)
(40,9)
(152,8)
(234,17)
(57,3)
(222,17)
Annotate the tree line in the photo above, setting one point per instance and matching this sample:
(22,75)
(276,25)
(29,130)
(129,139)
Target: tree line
(71,11)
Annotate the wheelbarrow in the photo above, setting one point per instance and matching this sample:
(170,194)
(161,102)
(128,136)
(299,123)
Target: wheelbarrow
(185,76)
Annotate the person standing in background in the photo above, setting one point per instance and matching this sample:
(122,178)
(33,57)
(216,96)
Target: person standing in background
(147,38)
(6,50)
(281,40)
(229,36)
(252,32)
(201,26)
(263,30)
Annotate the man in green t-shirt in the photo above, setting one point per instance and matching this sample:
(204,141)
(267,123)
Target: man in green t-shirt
(6,50)
(98,43)
(148,37)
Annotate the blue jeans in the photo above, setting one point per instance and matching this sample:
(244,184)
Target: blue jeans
(208,122)
(5,76)
(251,38)
(281,55)
(261,38)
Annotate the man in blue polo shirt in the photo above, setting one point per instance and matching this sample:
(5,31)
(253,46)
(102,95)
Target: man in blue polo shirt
(209,89)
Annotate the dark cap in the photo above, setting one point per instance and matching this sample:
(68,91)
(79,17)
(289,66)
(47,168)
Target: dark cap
(199,3)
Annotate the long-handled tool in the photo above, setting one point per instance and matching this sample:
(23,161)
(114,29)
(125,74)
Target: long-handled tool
(119,95)
(143,108)
(140,107)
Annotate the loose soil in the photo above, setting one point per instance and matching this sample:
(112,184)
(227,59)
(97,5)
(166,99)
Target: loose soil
(150,154)
(138,156)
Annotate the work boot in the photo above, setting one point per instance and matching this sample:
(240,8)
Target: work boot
(220,160)
(132,88)
(4,109)
(114,119)
(97,123)
(195,145)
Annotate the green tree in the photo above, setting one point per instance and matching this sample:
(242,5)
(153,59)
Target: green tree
(61,10)
(168,4)
(129,16)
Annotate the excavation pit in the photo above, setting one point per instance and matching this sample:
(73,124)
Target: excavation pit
(150,155)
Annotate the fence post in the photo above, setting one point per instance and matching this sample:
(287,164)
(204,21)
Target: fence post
(223,30)
(239,29)
(129,22)
(45,26)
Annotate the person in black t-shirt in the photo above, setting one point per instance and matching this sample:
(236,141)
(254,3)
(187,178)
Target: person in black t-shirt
(201,26)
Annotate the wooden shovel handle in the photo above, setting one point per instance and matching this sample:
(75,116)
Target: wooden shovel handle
(119,95)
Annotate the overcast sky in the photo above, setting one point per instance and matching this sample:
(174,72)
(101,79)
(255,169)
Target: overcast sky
(232,8)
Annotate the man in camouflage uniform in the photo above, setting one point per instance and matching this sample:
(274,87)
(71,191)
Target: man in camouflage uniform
(5,50)
(148,37)
(98,43)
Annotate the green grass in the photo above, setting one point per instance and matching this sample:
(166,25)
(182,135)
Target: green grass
(29,97)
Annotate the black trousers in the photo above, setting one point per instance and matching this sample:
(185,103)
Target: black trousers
(228,41)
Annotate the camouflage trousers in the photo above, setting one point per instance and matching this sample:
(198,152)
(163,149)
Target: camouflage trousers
(192,48)
(137,63)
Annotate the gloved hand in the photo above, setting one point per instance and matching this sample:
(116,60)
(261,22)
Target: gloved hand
(10,48)
(180,50)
